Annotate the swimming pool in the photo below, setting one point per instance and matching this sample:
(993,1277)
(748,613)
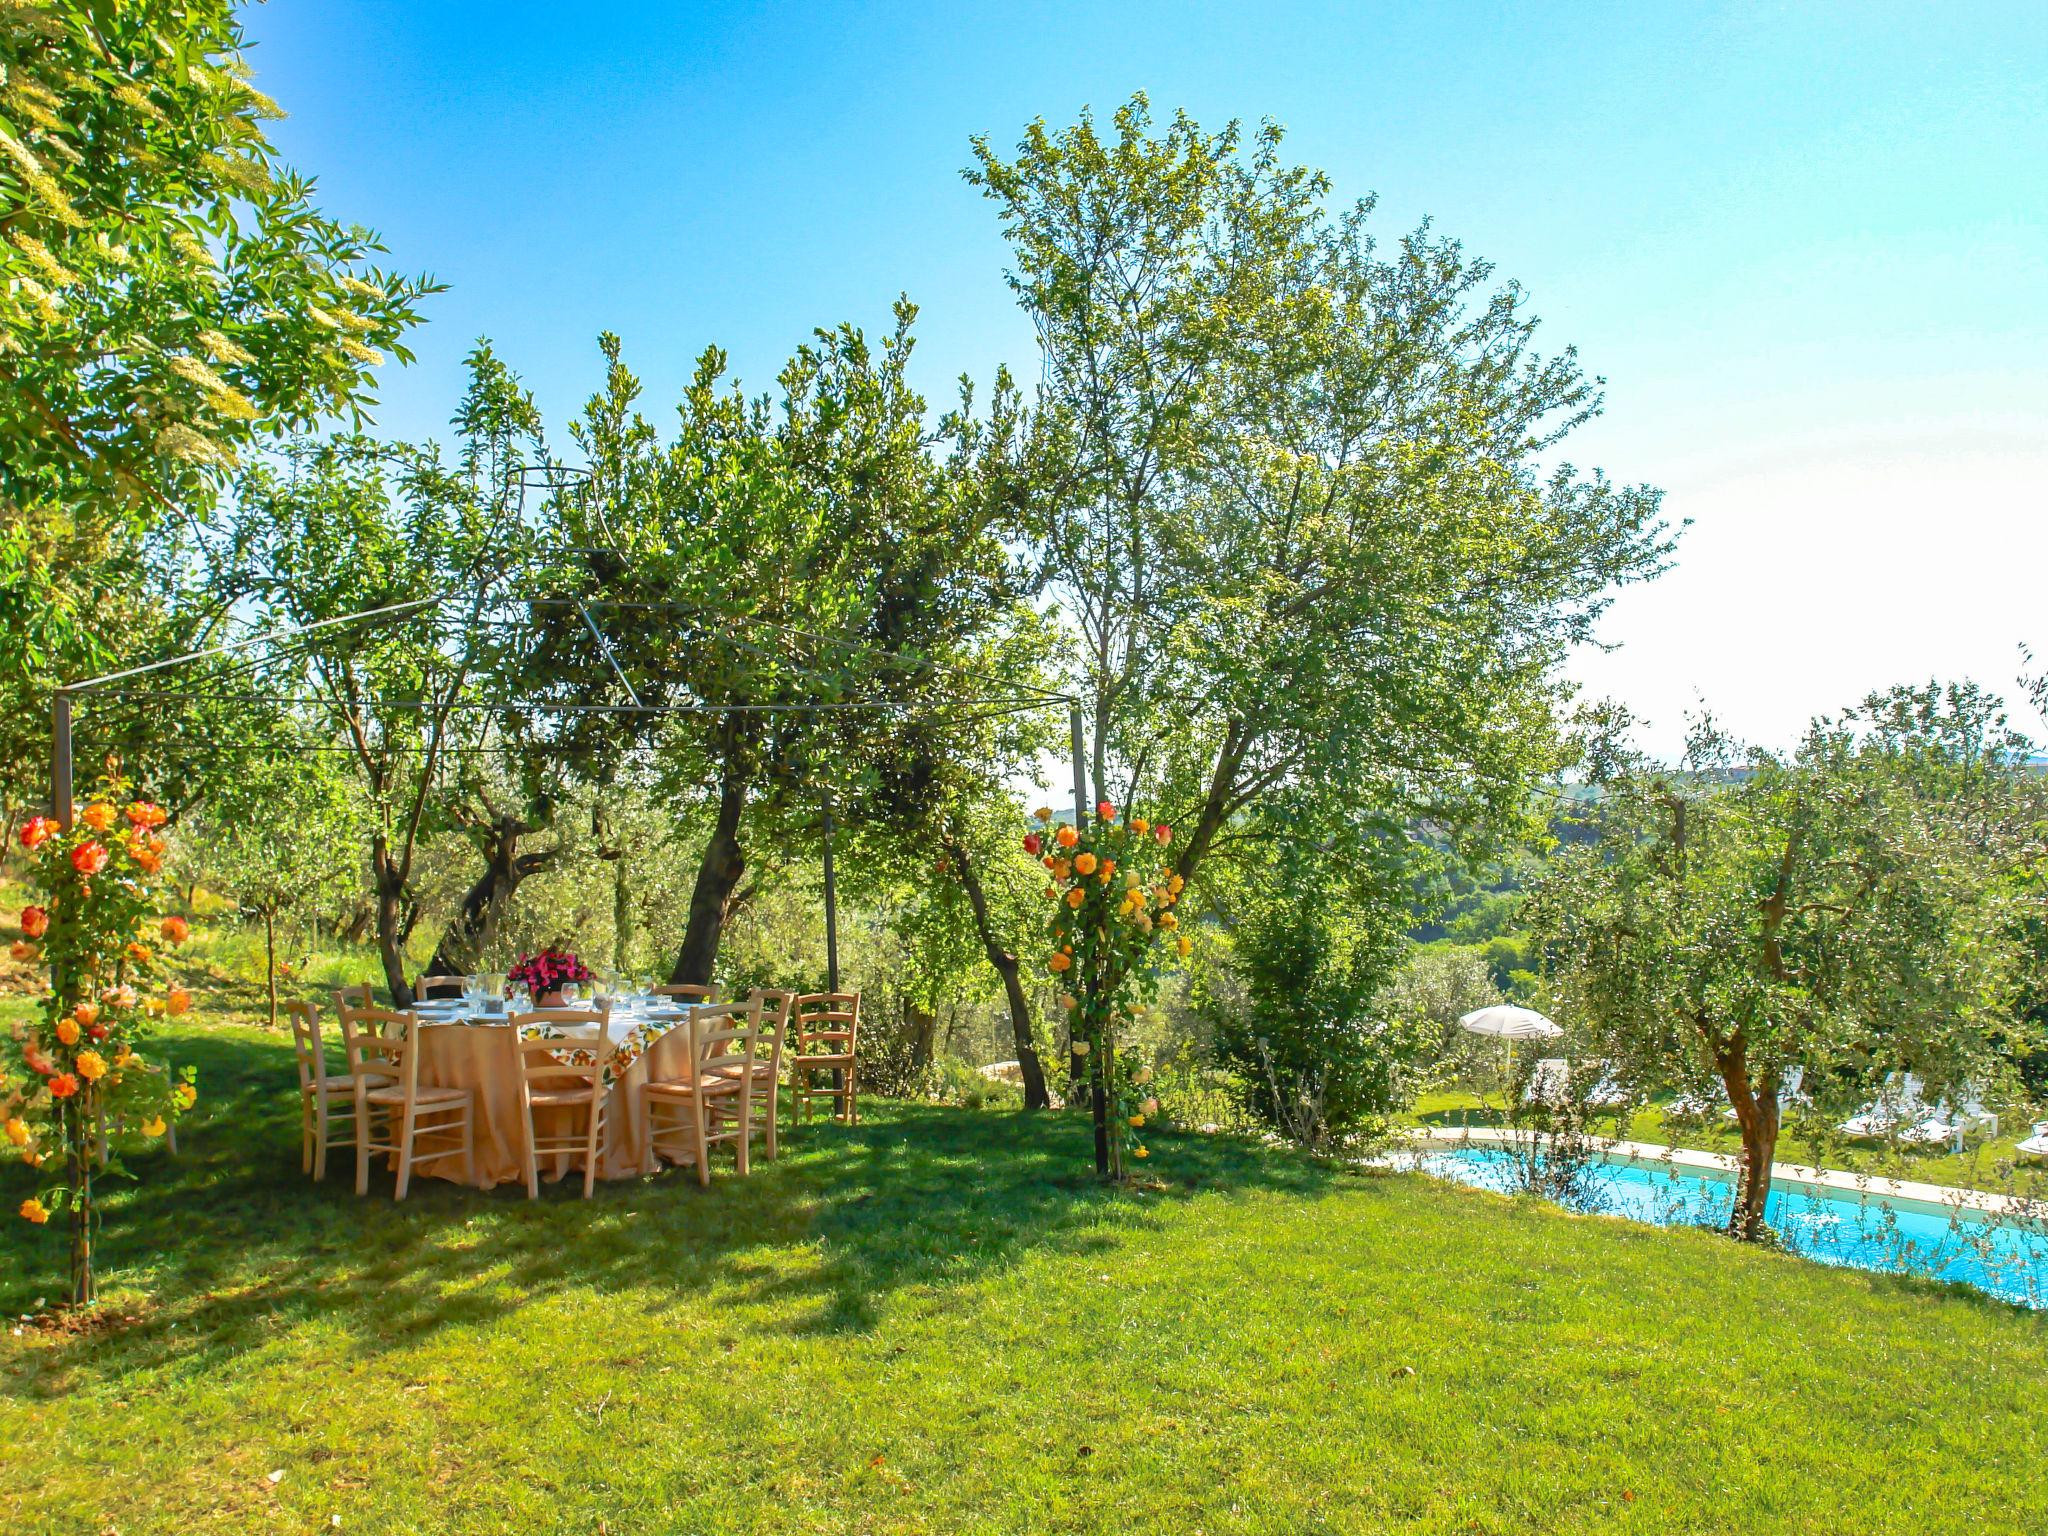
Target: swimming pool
(2009,1259)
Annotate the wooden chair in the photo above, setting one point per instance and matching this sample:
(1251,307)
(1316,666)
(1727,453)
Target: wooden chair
(688,992)
(776,1008)
(547,1081)
(384,1060)
(443,986)
(361,995)
(716,1101)
(323,1099)
(827,1030)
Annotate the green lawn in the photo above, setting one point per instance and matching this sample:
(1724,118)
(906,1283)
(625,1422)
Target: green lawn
(935,1323)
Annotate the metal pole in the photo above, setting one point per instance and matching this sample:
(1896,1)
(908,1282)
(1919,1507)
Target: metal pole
(831,903)
(1098,1091)
(60,758)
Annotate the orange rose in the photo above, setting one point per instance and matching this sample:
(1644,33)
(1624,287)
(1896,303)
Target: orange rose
(147,859)
(175,930)
(92,1066)
(17,1131)
(99,816)
(1066,837)
(63,1085)
(1140,825)
(146,813)
(22,950)
(87,1014)
(36,831)
(35,921)
(33,1210)
(177,1001)
(1076,896)
(1060,961)
(1084,864)
(1105,810)
(1052,893)
(67,1031)
(139,954)
(88,858)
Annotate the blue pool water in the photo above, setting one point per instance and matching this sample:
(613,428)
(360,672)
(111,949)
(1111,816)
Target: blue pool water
(2008,1259)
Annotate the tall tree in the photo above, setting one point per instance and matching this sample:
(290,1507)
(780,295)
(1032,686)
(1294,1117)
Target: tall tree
(1312,539)
(1847,908)
(169,295)
(789,574)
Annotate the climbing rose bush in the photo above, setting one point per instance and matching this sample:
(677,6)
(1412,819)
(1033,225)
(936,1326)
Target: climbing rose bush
(1112,892)
(95,926)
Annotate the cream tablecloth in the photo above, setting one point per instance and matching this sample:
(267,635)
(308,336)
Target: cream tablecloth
(480,1056)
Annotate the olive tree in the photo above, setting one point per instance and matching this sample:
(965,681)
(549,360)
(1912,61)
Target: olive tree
(1846,907)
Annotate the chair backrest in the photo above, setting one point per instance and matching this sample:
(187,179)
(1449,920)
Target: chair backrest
(776,1008)
(724,1035)
(1789,1081)
(443,986)
(689,992)
(553,1064)
(830,1019)
(382,1043)
(306,1046)
(360,995)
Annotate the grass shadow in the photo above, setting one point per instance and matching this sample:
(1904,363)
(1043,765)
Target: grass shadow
(232,1245)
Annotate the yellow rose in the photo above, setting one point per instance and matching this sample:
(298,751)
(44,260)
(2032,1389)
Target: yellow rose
(1140,825)
(34,1210)
(1175,884)
(184,1096)
(1139,1152)
(17,1131)
(1183,946)
(1136,1121)
(1168,920)
(1043,813)
(1080,1047)
(92,1066)
(153,1126)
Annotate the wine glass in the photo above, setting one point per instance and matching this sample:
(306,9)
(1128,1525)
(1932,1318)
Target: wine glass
(570,992)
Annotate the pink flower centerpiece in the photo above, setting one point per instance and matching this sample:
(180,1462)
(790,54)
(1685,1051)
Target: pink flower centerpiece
(546,973)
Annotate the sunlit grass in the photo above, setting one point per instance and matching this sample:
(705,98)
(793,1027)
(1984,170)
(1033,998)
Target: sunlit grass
(937,1323)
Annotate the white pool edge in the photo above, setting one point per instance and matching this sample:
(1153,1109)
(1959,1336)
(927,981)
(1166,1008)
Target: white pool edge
(1901,1194)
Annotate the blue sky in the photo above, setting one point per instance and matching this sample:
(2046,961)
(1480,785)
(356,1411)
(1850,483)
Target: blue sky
(1807,245)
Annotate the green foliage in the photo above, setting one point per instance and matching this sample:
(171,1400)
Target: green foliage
(1848,907)
(1315,533)
(1310,955)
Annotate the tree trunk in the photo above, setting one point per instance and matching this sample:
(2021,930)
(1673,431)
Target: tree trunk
(718,875)
(1756,1112)
(270,960)
(1217,803)
(923,1026)
(474,928)
(1036,1095)
(390,921)
(358,924)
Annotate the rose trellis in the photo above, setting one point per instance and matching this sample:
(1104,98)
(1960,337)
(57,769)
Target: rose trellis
(73,1079)
(1112,891)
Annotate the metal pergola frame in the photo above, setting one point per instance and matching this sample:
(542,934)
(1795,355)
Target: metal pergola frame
(64,698)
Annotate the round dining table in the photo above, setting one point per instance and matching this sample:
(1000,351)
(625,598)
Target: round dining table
(467,1043)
